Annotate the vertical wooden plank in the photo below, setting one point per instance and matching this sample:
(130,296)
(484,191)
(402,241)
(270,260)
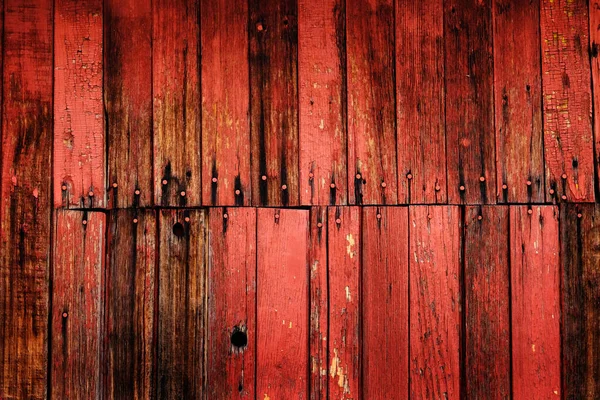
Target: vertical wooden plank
(181,304)
(77,305)
(26,197)
(372,166)
(176,92)
(79,168)
(274,101)
(518,100)
(580,241)
(319,301)
(344,255)
(231,303)
(594,43)
(469,101)
(322,92)
(568,140)
(435,302)
(420,108)
(535,288)
(225,103)
(385,310)
(130,299)
(487,303)
(282,304)
(128,101)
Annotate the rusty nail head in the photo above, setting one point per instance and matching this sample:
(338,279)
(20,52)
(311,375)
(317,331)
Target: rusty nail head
(311,175)
(529,211)
(437,188)
(65,315)
(214,179)
(505,186)
(187,219)
(564,176)
(429,216)
(259,27)
(182,193)
(64,187)
(378,216)
(319,225)
(482,179)
(332,185)
(264,177)
(479,217)
(338,221)
(276,216)
(115,185)
(237,191)
(283,187)
(564,197)
(135,220)
(551,191)
(164,182)
(358,176)
(383,184)
(409,176)
(225,216)
(84,222)
(579,215)
(461,188)
(137,192)
(528,183)
(91,193)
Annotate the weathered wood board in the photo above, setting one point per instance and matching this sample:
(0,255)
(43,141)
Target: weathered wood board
(231,340)
(282,304)
(78,305)
(594,42)
(385,310)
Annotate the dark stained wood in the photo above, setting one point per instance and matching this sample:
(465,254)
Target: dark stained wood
(231,303)
(487,303)
(176,92)
(274,101)
(518,102)
(420,108)
(319,300)
(225,103)
(130,305)
(435,302)
(372,164)
(580,241)
(322,92)
(568,138)
(181,304)
(594,42)
(128,101)
(79,167)
(344,266)
(78,305)
(26,198)
(385,310)
(535,288)
(282,304)
(470,101)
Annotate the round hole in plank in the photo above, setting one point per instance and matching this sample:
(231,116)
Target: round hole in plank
(239,339)
(178,230)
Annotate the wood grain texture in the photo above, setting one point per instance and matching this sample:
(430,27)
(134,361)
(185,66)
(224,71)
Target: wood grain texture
(231,303)
(385,310)
(130,305)
(79,143)
(420,108)
(319,304)
(274,101)
(181,304)
(487,303)
(568,139)
(518,102)
(128,101)
(176,107)
(580,241)
(78,305)
(26,198)
(282,304)
(470,101)
(435,302)
(372,164)
(225,103)
(344,265)
(535,288)
(322,92)
(594,42)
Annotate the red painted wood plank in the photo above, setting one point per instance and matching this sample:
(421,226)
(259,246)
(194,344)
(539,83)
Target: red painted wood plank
(176,92)
(274,101)
(579,240)
(78,305)
(372,166)
(470,101)
(130,305)
(79,167)
(322,92)
(231,303)
(568,140)
(385,309)
(435,309)
(594,42)
(225,102)
(26,197)
(535,288)
(487,303)
(181,304)
(128,101)
(518,99)
(282,304)
(344,255)
(319,300)
(420,102)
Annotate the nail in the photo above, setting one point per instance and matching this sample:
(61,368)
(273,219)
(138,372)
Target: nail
(264,177)
(528,183)
(137,192)
(437,188)
(358,176)
(311,175)
(91,193)
(187,219)
(64,187)
(530,211)
(409,176)
(214,180)
(237,192)
(504,187)
(283,187)
(378,216)
(564,176)
(551,191)
(259,27)
(182,193)
(482,179)
(461,188)
(332,186)
(338,221)
(579,215)
(225,216)
(383,184)
(135,220)
(65,315)
(319,225)
(164,182)
(479,217)
(115,185)
(84,222)
(564,197)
